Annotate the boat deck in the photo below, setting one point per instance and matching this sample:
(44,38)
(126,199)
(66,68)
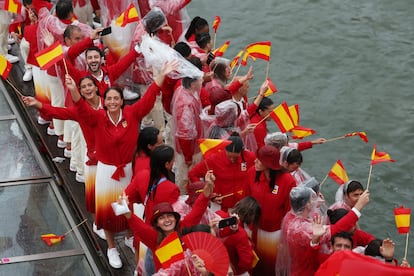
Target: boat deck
(40,196)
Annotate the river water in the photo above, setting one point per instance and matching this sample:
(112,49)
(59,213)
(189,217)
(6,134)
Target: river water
(350,67)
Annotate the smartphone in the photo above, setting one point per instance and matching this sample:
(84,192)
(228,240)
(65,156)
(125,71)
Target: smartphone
(105,31)
(227,222)
(210,58)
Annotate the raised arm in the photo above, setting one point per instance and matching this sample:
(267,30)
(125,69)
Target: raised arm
(146,103)
(71,85)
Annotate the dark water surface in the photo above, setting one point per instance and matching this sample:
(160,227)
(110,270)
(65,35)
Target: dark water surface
(350,67)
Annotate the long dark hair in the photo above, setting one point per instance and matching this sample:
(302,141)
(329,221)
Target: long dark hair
(248,210)
(264,104)
(147,136)
(272,176)
(220,72)
(159,157)
(196,24)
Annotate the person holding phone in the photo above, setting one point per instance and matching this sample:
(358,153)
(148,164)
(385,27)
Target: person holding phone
(164,220)
(231,231)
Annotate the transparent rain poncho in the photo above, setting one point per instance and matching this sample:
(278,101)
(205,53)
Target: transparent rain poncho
(295,252)
(56,27)
(225,117)
(277,139)
(299,174)
(156,53)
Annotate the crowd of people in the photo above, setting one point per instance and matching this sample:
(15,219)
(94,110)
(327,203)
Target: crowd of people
(146,152)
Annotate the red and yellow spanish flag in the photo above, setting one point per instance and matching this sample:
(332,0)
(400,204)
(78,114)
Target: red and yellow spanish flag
(259,50)
(281,116)
(361,135)
(338,173)
(5,67)
(294,113)
(51,239)
(209,146)
(13,6)
(271,88)
(245,57)
(219,52)
(379,156)
(216,23)
(50,55)
(128,16)
(170,250)
(300,132)
(402,219)
(235,60)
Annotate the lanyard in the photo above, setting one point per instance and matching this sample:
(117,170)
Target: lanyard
(153,187)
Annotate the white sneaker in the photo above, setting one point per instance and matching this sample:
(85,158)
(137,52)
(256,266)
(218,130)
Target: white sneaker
(129,242)
(10,40)
(100,232)
(61,144)
(67,153)
(28,75)
(12,59)
(80,178)
(50,131)
(72,168)
(42,121)
(113,257)
(129,94)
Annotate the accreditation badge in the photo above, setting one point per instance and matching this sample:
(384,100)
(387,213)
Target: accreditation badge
(243,166)
(275,189)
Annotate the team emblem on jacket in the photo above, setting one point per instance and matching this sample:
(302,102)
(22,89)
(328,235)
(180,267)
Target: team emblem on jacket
(124,124)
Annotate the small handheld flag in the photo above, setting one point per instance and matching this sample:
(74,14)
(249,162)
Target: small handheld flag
(361,135)
(50,55)
(300,132)
(235,60)
(128,16)
(219,52)
(281,116)
(294,113)
(5,67)
(13,6)
(271,88)
(338,173)
(259,50)
(216,23)
(170,250)
(379,156)
(210,146)
(51,239)
(402,219)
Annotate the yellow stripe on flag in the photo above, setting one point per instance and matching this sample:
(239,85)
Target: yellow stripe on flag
(49,55)
(167,251)
(282,117)
(294,113)
(402,220)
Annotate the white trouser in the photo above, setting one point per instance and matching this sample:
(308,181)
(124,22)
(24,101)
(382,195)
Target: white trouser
(4,31)
(57,98)
(24,51)
(84,14)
